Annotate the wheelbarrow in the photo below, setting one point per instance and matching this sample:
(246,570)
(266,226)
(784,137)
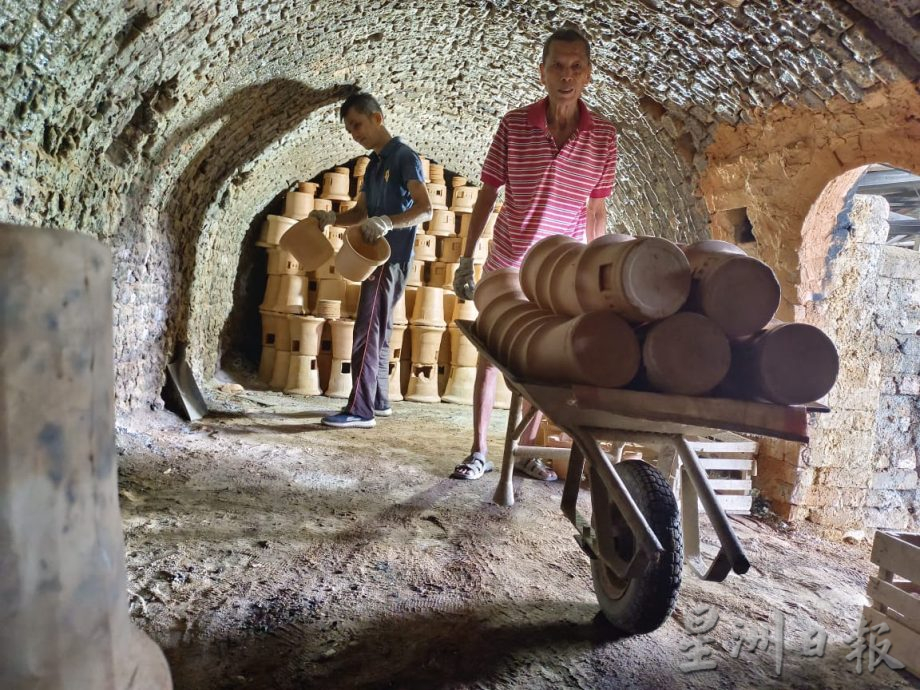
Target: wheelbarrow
(637,537)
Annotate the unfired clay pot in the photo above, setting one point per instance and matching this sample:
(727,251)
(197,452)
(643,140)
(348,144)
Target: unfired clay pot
(492,314)
(303,376)
(395,381)
(449,249)
(343,331)
(416,273)
(497,283)
(339,379)
(426,169)
(399,310)
(499,333)
(460,384)
(436,172)
(787,363)
(63,589)
(335,186)
(532,265)
(426,341)
(357,259)
(643,279)
(396,341)
(307,244)
(322,204)
(305,334)
(423,384)
(310,188)
(464,310)
(428,309)
(272,287)
(425,248)
(437,274)
(457,181)
(331,289)
(290,294)
(738,292)
(437,194)
(551,272)
(273,230)
(463,198)
(361,166)
(442,223)
(352,298)
(462,351)
(685,354)
(298,205)
(280,370)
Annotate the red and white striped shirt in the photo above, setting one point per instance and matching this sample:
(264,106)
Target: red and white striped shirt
(546,188)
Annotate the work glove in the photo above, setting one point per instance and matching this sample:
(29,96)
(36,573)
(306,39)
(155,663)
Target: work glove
(463,279)
(324,218)
(376,227)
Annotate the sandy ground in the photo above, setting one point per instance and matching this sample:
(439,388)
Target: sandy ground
(265,551)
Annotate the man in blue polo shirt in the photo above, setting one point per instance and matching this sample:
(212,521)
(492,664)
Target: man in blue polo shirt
(392,202)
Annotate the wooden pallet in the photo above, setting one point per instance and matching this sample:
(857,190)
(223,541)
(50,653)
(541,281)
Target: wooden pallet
(730,464)
(895,594)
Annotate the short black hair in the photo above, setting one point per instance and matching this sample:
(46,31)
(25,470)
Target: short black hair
(364,103)
(566,36)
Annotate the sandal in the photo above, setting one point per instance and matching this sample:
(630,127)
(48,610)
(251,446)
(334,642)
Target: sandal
(534,467)
(473,467)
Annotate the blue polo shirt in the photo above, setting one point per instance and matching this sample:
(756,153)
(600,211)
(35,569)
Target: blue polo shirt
(386,193)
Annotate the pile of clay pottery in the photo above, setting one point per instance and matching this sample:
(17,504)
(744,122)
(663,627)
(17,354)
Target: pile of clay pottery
(314,286)
(649,314)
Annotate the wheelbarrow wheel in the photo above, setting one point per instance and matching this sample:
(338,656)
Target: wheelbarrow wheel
(636,605)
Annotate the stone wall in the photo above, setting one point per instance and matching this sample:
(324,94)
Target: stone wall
(860,468)
(163,129)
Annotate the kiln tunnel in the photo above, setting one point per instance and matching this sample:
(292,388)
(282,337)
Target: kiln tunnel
(171,131)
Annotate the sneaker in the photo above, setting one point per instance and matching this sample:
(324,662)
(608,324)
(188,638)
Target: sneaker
(386,412)
(343,420)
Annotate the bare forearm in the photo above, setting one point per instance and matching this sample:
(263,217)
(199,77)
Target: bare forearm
(485,201)
(596,222)
(352,216)
(414,215)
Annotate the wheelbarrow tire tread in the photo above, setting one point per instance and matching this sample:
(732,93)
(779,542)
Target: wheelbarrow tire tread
(647,601)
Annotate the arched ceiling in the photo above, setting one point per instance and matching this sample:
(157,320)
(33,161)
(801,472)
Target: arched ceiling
(164,127)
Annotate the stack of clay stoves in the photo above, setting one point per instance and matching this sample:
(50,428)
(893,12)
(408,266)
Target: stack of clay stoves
(308,316)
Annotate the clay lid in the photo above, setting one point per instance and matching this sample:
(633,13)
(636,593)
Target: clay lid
(741,295)
(798,363)
(686,354)
(655,277)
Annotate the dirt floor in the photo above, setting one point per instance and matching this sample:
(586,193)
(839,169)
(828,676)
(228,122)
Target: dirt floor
(265,551)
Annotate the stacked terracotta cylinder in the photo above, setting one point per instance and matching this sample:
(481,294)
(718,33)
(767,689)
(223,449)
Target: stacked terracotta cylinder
(308,316)
(645,313)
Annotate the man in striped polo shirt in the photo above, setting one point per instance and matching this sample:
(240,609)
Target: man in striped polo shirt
(557,162)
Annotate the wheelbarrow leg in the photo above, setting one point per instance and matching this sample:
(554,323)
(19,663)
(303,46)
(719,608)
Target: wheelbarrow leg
(504,492)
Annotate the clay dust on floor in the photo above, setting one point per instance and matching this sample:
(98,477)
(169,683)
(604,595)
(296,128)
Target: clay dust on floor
(265,551)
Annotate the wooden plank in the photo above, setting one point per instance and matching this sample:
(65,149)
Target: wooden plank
(723,447)
(734,504)
(738,464)
(896,598)
(905,643)
(893,552)
(730,484)
(788,422)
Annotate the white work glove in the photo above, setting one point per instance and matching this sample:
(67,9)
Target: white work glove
(463,279)
(324,218)
(375,227)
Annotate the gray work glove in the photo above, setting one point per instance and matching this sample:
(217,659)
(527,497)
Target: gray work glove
(463,279)
(375,227)
(324,218)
